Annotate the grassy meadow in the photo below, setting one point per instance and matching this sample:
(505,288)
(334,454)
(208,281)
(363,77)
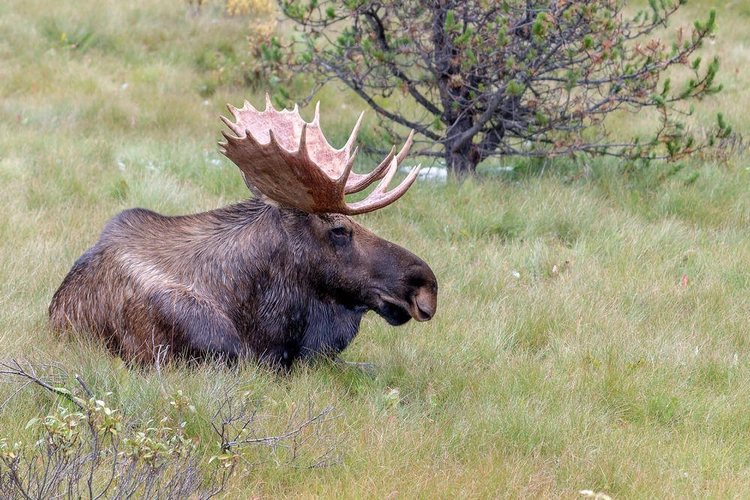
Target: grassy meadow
(593,326)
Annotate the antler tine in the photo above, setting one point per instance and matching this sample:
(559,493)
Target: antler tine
(387,178)
(379,198)
(355,130)
(316,118)
(345,179)
(356,183)
(360,182)
(234,127)
(269,104)
(407,146)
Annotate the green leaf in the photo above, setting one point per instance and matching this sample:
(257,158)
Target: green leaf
(667,85)
(515,88)
(450,21)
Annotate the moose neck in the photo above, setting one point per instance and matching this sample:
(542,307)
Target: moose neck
(273,278)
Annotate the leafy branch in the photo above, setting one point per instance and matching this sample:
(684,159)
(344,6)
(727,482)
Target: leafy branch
(526,78)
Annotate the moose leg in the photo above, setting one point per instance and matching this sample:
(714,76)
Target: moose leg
(194,326)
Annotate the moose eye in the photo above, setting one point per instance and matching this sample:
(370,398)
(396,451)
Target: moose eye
(339,236)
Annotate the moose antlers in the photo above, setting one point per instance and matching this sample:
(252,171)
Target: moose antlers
(289,162)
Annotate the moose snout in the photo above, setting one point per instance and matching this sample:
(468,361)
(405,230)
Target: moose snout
(423,304)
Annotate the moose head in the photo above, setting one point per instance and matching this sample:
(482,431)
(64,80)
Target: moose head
(285,275)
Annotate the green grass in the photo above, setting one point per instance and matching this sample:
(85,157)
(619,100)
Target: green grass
(567,353)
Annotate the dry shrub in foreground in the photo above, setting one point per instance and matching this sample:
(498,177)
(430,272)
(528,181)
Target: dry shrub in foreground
(85,449)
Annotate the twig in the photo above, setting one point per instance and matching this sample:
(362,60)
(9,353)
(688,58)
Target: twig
(15,368)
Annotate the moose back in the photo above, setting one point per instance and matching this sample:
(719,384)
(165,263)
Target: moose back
(285,275)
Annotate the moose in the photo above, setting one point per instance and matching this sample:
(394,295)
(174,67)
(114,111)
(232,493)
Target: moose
(285,275)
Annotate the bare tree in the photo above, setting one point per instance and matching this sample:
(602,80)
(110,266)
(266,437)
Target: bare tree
(535,78)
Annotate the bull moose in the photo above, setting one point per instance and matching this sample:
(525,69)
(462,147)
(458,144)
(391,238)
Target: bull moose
(282,276)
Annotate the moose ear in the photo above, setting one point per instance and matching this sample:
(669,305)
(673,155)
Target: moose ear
(250,186)
(287,161)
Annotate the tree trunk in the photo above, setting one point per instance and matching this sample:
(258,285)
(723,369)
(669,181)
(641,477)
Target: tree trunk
(461,163)
(445,56)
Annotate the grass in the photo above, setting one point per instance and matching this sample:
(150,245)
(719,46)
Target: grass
(592,331)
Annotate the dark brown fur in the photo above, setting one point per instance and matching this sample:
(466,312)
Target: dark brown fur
(246,280)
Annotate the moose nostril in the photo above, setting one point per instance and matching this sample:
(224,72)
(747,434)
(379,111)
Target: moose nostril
(424,304)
